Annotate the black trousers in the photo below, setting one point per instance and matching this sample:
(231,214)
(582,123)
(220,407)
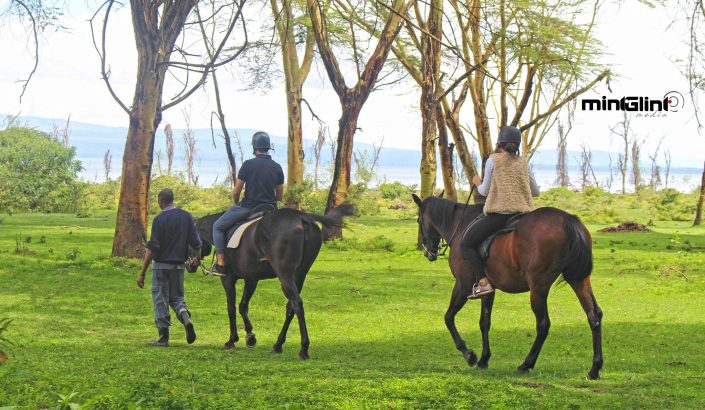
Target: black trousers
(473,237)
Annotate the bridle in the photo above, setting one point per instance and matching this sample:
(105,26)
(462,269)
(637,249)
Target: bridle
(443,245)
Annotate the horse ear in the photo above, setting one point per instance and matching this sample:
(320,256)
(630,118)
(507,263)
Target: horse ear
(417,200)
(442,192)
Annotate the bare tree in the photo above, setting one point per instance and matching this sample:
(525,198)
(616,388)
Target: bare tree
(610,180)
(62,134)
(107,163)
(190,148)
(655,168)
(562,163)
(586,170)
(366,163)
(636,170)
(562,178)
(667,171)
(701,199)
(169,133)
(240,150)
(623,130)
(317,148)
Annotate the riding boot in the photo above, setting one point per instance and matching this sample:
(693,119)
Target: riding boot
(185,318)
(478,267)
(163,340)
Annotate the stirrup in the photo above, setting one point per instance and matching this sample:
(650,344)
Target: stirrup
(479,291)
(213,271)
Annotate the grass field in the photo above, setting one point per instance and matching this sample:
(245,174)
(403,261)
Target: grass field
(374,309)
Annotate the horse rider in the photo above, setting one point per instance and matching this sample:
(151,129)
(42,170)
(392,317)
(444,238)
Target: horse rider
(509,186)
(173,232)
(263,180)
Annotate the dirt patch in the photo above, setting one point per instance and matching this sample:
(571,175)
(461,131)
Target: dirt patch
(626,227)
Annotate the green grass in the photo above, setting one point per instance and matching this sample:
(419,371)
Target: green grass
(375,319)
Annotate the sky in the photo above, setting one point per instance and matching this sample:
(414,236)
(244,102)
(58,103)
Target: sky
(641,52)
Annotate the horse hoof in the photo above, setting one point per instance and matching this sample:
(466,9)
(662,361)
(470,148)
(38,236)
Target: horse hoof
(482,364)
(303,355)
(229,344)
(470,357)
(277,349)
(593,375)
(523,368)
(251,340)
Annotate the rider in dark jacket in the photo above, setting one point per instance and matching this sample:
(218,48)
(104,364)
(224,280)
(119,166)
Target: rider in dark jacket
(263,180)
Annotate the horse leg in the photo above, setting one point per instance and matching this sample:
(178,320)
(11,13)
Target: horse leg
(250,287)
(294,306)
(539,298)
(594,314)
(305,342)
(485,321)
(231,299)
(457,300)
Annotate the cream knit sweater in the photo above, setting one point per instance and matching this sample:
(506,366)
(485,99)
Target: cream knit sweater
(510,191)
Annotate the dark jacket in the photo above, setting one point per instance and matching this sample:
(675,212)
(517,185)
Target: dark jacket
(172,234)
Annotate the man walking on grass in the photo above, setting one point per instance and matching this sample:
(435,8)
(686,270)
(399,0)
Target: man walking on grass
(172,234)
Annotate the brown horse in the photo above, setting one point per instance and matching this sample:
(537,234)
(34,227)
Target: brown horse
(544,244)
(283,244)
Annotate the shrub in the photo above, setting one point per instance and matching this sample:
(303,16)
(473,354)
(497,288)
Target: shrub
(37,172)
(394,190)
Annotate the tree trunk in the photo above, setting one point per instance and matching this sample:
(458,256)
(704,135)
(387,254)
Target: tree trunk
(294,77)
(154,44)
(428,165)
(131,225)
(461,146)
(701,199)
(446,155)
(347,125)
(295,150)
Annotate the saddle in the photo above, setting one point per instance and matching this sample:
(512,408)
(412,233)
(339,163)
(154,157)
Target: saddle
(484,248)
(235,233)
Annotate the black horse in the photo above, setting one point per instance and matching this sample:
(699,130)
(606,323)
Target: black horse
(544,244)
(283,244)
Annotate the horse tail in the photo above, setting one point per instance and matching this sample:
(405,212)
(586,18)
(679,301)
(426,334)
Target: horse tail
(334,218)
(578,261)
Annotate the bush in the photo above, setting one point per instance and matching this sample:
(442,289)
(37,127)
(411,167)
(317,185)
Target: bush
(37,173)
(394,190)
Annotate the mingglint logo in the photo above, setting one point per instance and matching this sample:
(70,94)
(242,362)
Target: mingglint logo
(671,102)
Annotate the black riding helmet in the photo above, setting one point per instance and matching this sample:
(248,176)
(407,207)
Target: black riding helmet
(260,141)
(509,134)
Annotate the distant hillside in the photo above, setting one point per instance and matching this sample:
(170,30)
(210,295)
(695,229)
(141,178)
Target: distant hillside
(92,141)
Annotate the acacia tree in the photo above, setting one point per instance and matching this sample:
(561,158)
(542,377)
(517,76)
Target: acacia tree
(157,26)
(290,28)
(351,98)
(526,57)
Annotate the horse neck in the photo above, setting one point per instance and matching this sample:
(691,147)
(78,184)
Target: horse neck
(204,226)
(450,228)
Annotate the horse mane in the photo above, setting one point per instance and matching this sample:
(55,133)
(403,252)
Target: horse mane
(442,211)
(204,226)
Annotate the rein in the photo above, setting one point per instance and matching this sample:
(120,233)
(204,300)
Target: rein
(443,247)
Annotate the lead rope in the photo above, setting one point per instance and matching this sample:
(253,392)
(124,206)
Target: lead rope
(445,245)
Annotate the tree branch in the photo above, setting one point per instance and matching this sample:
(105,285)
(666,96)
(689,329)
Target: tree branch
(570,97)
(105,73)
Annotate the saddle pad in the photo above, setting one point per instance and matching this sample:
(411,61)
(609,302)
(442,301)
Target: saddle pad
(234,241)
